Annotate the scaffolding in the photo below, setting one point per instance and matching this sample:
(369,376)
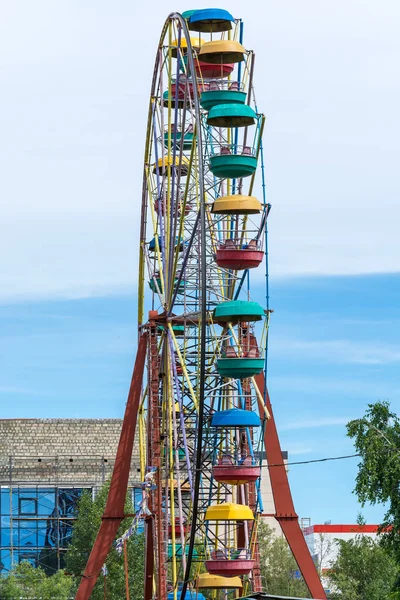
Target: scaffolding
(38,500)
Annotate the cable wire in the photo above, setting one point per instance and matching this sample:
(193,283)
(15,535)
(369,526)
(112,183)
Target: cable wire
(307,462)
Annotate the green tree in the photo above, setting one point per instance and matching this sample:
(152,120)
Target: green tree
(363,570)
(377,439)
(83,536)
(279,570)
(26,581)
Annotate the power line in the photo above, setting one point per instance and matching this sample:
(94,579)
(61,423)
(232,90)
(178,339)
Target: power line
(307,462)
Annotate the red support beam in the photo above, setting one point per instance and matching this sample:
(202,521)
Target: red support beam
(149,558)
(154,450)
(284,507)
(114,510)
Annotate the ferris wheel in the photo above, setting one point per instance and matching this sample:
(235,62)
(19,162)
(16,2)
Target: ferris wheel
(202,233)
(203,411)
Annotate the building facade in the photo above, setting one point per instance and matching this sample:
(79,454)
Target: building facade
(45,464)
(267,498)
(322,541)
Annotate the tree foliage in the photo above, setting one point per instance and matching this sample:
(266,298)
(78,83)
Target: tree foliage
(84,533)
(377,439)
(26,581)
(363,570)
(323,547)
(279,570)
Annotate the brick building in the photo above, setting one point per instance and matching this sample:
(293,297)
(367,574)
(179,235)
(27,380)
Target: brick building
(45,464)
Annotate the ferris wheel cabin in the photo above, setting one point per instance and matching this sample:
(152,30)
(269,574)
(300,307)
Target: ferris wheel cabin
(242,468)
(236,205)
(216,93)
(210,20)
(236,311)
(236,472)
(206,581)
(229,561)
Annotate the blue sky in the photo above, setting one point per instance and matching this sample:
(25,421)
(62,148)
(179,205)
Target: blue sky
(333,349)
(76,77)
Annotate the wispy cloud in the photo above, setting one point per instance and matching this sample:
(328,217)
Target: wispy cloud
(11,390)
(298,449)
(313,423)
(338,351)
(344,386)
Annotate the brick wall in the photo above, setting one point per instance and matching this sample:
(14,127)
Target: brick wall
(60,451)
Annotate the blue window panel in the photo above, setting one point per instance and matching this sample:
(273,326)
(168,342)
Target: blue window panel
(15,502)
(5,562)
(22,524)
(136,498)
(46,502)
(65,533)
(5,537)
(25,492)
(28,506)
(42,534)
(5,501)
(30,556)
(67,501)
(22,494)
(5,521)
(28,535)
(52,534)
(35,533)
